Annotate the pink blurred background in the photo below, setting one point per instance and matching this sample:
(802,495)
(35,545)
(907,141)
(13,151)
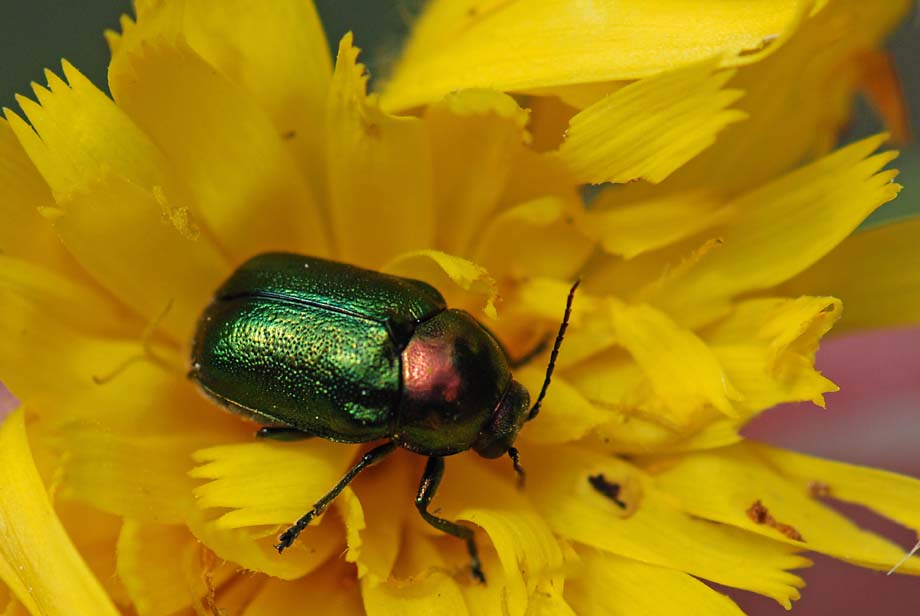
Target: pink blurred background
(873,420)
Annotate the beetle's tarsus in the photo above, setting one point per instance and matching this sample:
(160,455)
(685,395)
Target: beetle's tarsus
(431,479)
(372,457)
(518,469)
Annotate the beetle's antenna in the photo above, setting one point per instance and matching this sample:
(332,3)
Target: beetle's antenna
(552,357)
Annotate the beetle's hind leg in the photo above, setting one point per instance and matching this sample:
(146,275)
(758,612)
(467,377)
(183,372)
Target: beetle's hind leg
(282,433)
(369,459)
(431,479)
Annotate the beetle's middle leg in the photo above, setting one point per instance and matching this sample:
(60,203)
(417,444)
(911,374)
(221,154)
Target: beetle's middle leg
(369,459)
(431,479)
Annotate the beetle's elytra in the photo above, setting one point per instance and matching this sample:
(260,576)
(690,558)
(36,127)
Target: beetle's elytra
(311,347)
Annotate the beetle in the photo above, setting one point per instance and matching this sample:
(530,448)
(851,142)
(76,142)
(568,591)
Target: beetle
(310,347)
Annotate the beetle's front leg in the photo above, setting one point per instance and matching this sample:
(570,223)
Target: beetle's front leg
(371,458)
(431,479)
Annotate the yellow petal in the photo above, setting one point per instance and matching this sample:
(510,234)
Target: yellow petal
(379,171)
(768,346)
(239,39)
(683,373)
(259,482)
(103,382)
(333,586)
(566,415)
(650,128)
(463,283)
(40,563)
(608,584)
(525,545)
(474,135)
(890,494)
(373,511)
(654,532)
(433,592)
(875,274)
(508,46)
(724,485)
(536,238)
(76,131)
(161,566)
(255,488)
(61,297)
(798,99)
(784,227)
(120,234)
(243,179)
(631,229)
(140,477)
(24,232)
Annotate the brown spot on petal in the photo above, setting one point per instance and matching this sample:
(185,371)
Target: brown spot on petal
(761,515)
(819,489)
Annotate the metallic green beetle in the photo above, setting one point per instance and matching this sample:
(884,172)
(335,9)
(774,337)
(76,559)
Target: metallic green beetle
(310,347)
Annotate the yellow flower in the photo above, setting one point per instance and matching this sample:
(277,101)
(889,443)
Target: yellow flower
(708,282)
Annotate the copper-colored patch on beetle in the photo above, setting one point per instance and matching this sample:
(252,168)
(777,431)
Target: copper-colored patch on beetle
(761,515)
(819,489)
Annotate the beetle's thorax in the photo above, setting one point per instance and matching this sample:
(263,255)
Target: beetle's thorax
(454,374)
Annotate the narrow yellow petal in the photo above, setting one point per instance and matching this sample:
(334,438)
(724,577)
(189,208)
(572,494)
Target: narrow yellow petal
(536,238)
(373,512)
(333,586)
(243,179)
(379,171)
(768,346)
(62,298)
(565,416)
(474,135)
(122,235)
(631,229)
(798,99)
(650,128)
(890,494)
(35,549)
(682,371)
(24,233)
(239,39)
(253,483)
(733,486)
(161,567)
(463,283)
(874,273)
(785,227)
(608,584)
(140,477)
(104,382)
(253,549)
(525,545)
(507,45)
(651,530)
(76,131)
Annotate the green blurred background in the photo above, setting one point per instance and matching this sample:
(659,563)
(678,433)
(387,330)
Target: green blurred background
(35,34)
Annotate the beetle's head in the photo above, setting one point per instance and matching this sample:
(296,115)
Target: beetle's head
(498,435)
